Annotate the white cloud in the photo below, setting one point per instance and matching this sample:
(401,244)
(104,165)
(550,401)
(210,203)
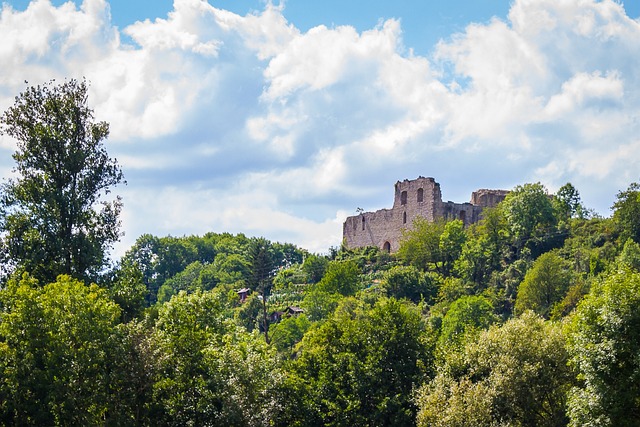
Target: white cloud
(581,89)
(245,123)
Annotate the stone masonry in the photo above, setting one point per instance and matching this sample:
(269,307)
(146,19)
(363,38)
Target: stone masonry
(413,198)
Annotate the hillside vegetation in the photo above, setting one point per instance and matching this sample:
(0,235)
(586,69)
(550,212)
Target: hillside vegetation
(528,318)
(514,321)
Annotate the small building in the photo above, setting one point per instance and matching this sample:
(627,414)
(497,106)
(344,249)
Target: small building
(243,294)
(276,316)
(293,310)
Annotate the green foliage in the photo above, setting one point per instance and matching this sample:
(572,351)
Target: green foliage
(231,268)
(466,316)
(420,246)
(314,267)
(128,291)
(358,367)
(261,259)
(193,262)
(567,203)
(451,242)
(604,340)
(195,276)
(484,250)
(248,314)
(318,304)
(590,245)
(57,354)
(432,245)
(75,354)
(341,277)
(528,212)
(289,332)
(210,372)
(630,256)
(544,285)
(288,278)
(515,374)
(626,212)
(574,295)
(48,213)
(408,282)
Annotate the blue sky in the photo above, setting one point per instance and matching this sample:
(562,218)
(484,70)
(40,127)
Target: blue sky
(424,22)
(279,120)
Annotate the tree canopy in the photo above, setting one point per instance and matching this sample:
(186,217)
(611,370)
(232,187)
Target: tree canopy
(527,318)
(53,215)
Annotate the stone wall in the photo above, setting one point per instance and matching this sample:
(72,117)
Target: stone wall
(413,198)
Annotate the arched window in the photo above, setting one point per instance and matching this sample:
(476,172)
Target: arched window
(403,198)
(363,223)
(463,217)
(420,195)
(404,217)
(386,247)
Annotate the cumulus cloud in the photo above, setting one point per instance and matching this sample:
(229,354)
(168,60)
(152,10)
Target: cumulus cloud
(246,124)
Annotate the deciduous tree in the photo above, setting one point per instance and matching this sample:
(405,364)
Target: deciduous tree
(54,217)
(528,212)
(626,212)
(544,285)
(604,340)
(359,367)
(515,374)
(57,356)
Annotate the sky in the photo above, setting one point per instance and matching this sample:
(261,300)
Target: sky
(281,119)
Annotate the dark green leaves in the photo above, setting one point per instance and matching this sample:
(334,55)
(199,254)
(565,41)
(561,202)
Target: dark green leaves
(53,214)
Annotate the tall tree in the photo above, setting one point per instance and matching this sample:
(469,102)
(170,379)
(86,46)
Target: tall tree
(544,285)
(261,267)
(53,216)
(57,354)
(604,341)
(627,212)
(514,374)
(528,212)
(567,203)
(432,245)
(359,367)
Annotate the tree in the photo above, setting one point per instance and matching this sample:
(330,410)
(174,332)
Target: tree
(466,315)
(49,214)
(544,285)
(604,341)
(432,245)
(627,212)
(128,291)
(452,240)
(341,277)
(528,212)
(289,332)
(484,250)
(261,267)
(510,375)
(57,354)
(420,246)
(408,282)
(358,367)
(210,372)
(314,267)
(567,203)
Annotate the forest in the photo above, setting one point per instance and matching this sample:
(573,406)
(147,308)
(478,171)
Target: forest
(528,318)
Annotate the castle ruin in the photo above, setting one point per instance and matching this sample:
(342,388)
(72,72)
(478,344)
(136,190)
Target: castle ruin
(413,198)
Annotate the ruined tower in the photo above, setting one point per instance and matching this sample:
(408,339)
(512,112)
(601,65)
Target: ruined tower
(413,198)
